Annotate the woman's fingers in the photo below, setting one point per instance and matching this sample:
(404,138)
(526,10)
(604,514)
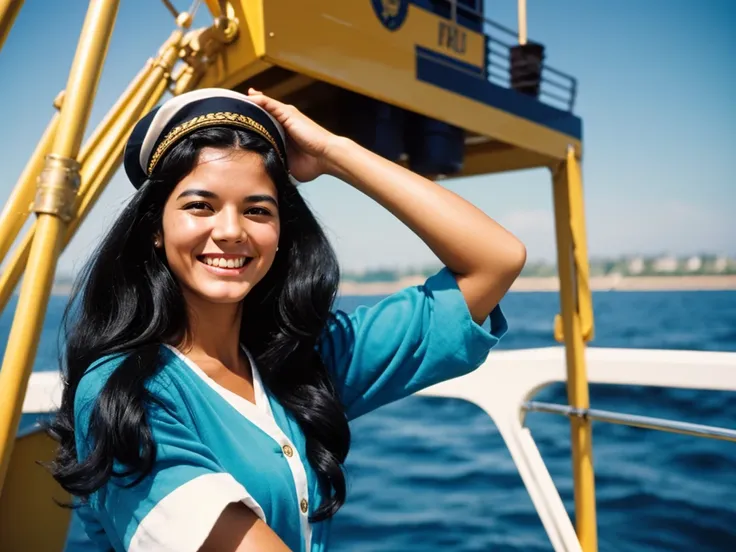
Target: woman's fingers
(279,110)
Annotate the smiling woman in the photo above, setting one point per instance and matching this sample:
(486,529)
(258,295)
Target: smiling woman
(208,385)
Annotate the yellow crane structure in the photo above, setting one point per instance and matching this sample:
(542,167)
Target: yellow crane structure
(431,84)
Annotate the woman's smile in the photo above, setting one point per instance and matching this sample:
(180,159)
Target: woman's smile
(224,264)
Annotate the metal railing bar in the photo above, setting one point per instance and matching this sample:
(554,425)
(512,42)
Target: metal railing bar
(644,422)
(494,40)
(565,87)
(504,78)
(558,72)
(547,94)
(500,56)
(470,11)
(504,56)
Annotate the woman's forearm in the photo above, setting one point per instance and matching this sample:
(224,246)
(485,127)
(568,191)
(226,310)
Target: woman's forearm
(485,258)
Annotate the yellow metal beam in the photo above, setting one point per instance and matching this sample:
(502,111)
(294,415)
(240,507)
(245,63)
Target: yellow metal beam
(106,159)
(13,270)
(580,253)
(490,158)
(8,12)
(566,198)
(580,245)
(216,7)
(20,203)
(57,188)
(241,59)
(113,114)
(103,152)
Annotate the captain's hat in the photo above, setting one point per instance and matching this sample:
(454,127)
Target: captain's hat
(181,115)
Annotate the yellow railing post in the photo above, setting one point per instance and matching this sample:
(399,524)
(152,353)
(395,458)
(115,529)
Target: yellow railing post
(57,188)
(580,252)
(8,12)
(572,265)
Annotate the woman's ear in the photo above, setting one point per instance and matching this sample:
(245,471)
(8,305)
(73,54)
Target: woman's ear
(158,241)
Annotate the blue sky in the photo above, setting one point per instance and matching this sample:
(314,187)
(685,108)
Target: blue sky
(656,85)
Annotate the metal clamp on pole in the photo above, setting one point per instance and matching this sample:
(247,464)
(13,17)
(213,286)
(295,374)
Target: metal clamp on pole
(57,187)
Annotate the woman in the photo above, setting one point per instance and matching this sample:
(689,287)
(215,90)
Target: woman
(208,386)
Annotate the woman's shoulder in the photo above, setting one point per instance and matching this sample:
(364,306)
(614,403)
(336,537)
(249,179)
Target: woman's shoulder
(105,371)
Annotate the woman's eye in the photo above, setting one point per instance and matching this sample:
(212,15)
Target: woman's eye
(257,211)
(198,206)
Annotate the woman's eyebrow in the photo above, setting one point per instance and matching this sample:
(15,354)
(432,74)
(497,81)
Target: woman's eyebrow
(262,197)
(200,193)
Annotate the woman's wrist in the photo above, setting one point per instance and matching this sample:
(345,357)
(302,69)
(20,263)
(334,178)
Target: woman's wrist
(338,151)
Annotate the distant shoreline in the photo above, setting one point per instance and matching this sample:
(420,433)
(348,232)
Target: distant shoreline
(526,284)
(597,283)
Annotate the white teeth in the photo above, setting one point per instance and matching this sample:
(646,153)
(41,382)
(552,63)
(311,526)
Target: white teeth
(225,263)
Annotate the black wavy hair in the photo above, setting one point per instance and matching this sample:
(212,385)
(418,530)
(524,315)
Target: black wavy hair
(127,301)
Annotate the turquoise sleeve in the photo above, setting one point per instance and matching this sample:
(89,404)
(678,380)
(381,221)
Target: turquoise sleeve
(407,342)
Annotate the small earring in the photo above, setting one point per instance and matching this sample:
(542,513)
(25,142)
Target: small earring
(157,242)
(277,249)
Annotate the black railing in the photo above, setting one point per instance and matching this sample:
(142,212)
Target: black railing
(511,65)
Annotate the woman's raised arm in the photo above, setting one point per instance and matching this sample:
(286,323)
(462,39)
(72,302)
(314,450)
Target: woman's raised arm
(483,256)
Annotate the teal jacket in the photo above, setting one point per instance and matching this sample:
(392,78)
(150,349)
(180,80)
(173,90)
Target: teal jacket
(215,448)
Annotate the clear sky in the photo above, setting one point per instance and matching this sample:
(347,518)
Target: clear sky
(656,88)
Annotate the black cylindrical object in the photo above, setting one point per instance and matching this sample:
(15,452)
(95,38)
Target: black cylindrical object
(434,147)
(375,125)
(526,63)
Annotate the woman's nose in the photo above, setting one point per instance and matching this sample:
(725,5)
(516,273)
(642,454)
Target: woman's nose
(229,227)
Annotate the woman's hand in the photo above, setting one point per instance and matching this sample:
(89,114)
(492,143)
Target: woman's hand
(306,141)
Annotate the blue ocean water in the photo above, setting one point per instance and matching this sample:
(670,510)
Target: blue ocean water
(429,473)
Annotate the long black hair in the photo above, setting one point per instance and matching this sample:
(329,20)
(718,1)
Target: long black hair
(126,301)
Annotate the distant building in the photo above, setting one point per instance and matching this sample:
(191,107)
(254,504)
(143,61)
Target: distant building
(665,264)
(720,264)
(693,264)
(636,266)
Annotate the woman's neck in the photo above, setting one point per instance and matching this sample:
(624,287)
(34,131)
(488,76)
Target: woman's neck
(214,330)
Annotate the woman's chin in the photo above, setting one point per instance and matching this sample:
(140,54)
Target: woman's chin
(223,294)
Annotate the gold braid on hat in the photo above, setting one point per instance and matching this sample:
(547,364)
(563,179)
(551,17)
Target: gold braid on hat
(210,119)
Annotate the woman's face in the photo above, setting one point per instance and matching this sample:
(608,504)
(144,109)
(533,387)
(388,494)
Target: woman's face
(221,225)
